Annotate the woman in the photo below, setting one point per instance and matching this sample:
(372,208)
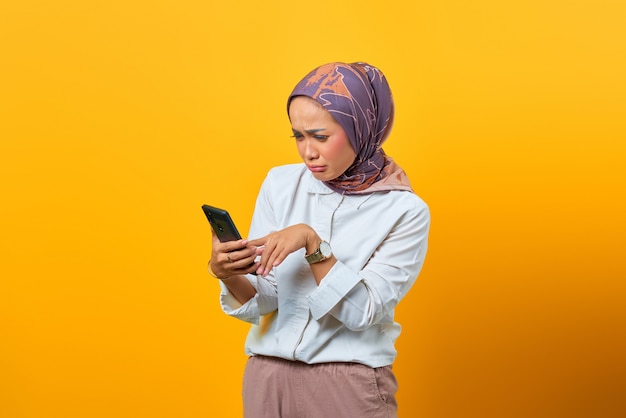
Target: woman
(338,241)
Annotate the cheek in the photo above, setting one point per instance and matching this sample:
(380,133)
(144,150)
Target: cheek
(337,150)
(341,153)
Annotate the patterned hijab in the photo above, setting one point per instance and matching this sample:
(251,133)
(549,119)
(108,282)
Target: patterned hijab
(359,99)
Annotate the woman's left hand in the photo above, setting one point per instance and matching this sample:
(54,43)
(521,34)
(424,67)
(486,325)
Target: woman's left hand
(278,245)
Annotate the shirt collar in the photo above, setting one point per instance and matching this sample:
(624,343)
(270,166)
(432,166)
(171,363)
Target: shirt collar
(316,186)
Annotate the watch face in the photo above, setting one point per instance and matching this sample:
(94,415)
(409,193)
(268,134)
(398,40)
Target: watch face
(325,249)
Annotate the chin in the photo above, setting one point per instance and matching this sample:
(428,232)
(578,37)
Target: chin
(323,176)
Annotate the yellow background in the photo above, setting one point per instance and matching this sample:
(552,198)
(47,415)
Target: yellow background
(119,119)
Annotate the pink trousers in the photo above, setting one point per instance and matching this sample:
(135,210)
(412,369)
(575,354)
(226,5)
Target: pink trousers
(277,388)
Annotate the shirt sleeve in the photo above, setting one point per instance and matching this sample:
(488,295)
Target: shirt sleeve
(264,302)
(364,298)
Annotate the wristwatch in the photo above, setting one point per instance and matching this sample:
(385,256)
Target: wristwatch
(322,253)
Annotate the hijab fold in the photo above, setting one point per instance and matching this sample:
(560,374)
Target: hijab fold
(358,97)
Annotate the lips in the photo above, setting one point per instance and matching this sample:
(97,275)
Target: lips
(316,168)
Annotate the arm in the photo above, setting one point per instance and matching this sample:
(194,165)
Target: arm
(245,297)
(360,299)
(276,246)
(229,262)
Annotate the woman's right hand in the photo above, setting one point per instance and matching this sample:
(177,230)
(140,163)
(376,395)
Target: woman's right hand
(232,258)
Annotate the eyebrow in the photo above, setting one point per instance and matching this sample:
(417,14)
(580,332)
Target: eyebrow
(310,131)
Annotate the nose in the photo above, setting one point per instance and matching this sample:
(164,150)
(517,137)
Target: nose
(310,149)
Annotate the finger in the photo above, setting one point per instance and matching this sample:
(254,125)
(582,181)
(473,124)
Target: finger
(258,242)
(280,257)
(214,238)
(243,266)
(276,259)
(230,246)
(267,257)
(247,253)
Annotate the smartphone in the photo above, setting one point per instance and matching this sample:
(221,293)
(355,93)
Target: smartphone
(222,223)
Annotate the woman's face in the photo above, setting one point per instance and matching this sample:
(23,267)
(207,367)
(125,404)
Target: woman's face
(322,143)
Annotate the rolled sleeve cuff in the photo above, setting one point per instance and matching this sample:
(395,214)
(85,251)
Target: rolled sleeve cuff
(339,281)
(248,312)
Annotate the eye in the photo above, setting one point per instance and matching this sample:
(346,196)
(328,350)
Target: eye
(321,137)
(296,135)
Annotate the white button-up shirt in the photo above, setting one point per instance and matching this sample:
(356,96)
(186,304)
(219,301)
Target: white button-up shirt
(379,241)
